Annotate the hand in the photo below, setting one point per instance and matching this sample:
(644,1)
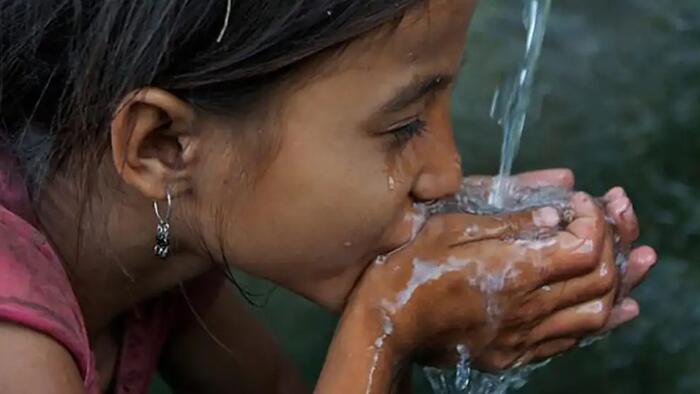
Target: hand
(620,212)
(467,280)
(641,259)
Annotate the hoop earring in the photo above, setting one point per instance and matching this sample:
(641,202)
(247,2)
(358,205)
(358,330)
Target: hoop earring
(162,247)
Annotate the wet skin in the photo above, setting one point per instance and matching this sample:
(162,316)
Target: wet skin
(306,191)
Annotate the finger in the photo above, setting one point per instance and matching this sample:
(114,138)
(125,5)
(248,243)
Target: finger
(496,360)
(614,194)
(579,248)
(621,212)
(461,228)
(549,349)
(558,259)
(627,310)
(572,253)
(549,299)
(602,280)
(641,260)
(589,222)
(552,177)
(574,322)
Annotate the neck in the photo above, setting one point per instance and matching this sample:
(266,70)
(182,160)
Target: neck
(106,246)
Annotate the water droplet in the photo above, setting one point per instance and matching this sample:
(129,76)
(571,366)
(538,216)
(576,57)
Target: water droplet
(380,260)
(471,231)
(586,342)
(348,244)
(458,162)
(463,370)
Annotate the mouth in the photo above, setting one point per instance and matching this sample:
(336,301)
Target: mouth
(406,227)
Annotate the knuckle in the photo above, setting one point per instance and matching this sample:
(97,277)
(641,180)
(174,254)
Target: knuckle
(597,321)
(513,340)
(608,280)
(603,282)
(582,266)
(581,197)
(589,254)
(529,313)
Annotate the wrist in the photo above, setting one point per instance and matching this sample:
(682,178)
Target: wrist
(362,357)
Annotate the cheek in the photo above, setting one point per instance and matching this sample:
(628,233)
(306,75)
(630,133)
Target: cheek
(315,214)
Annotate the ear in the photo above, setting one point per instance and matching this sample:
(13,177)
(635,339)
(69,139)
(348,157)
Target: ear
(153,145)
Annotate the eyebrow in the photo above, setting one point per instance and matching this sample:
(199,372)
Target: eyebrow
(416,90)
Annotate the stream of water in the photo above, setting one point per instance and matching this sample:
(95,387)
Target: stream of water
(512,101)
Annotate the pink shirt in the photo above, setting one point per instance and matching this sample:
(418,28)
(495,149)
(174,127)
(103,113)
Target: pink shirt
(35,292)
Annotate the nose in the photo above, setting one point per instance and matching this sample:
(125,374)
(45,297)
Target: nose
(441,174)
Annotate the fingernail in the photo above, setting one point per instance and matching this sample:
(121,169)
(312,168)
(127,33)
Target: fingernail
(615,193)
(631,307)
(646,257)
(581,198)
(620,206)
(546,217)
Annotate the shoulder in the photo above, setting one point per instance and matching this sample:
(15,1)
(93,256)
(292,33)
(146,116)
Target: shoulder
(36,299)
(31,362)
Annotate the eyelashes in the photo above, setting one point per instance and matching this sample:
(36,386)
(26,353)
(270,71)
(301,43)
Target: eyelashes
(404,133)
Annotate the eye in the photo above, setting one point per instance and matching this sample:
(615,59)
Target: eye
(406,131)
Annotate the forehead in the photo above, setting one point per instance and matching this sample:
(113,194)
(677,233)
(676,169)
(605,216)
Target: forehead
(431,28)
(427,35)
(367,72)
(429,39)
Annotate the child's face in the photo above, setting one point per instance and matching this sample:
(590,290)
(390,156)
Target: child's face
(358,139)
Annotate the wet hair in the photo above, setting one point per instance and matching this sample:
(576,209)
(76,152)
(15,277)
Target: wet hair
(65,65)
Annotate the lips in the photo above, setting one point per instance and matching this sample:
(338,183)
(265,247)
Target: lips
(405,228)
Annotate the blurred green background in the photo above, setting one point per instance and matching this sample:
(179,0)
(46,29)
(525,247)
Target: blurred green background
(618,101)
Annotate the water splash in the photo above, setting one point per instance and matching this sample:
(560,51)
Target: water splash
(454,382)
(475,199)
(391,183)
(512,101)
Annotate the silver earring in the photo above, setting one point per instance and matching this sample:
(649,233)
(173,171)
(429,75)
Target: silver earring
(162,248)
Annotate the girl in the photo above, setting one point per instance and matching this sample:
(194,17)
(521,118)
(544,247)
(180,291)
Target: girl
(149,145)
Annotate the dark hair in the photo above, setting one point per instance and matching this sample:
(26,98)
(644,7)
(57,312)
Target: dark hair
(66,64)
